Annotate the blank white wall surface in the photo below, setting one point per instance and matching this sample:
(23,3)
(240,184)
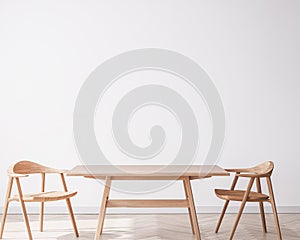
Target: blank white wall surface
(250,49)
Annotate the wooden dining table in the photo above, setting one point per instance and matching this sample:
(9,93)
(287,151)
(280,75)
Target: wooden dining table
(182,173)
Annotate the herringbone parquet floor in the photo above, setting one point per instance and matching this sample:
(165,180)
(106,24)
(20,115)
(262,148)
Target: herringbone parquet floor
(153,227)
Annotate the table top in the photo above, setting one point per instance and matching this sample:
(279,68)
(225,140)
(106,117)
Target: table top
(145,172)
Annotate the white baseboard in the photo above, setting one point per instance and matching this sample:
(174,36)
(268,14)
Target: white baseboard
(200,209)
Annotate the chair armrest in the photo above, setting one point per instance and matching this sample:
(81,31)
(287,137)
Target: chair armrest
(237,170)
(252,175)
(16,175)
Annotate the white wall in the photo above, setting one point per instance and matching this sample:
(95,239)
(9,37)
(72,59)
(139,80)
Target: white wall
(250,49)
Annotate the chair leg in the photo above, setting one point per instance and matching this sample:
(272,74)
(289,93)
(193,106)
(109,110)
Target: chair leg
(272,201)
(23,208)
(72,216)
(226,204)
(68,201)
(10,183)
(241,208)
(221,216)
(42,205)
(261,207)
(262,215)
(42,217)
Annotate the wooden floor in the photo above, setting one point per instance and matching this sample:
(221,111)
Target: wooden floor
(153,227)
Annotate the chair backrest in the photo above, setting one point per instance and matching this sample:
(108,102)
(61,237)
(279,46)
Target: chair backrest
(28,167)
(265,168)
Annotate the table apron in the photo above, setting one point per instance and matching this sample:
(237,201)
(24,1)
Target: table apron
(145,203)
(142,178)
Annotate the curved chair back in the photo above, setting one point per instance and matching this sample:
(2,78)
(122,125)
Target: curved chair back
(23,169)
(265,168)
(28,167)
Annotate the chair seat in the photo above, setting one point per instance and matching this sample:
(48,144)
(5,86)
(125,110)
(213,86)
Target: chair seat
(45,196)
(238,195)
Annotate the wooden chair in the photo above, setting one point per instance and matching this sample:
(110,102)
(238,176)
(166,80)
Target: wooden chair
(23,169)
(263,170)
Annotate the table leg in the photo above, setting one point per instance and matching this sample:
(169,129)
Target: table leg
(192,207)
(189,209)
(103,208)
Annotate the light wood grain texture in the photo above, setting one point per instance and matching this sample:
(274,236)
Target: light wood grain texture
(148,172)
(145,203)
(103,208)
(241,208)
(28,167)
(152,227)
(263,170)
(24,212)
(44,196)
(8,194)
(189,209)
(42,203)
(261,206)
(238,195)
(234,182)
(193,215)
(272,201)
(69,206)
(24,169)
